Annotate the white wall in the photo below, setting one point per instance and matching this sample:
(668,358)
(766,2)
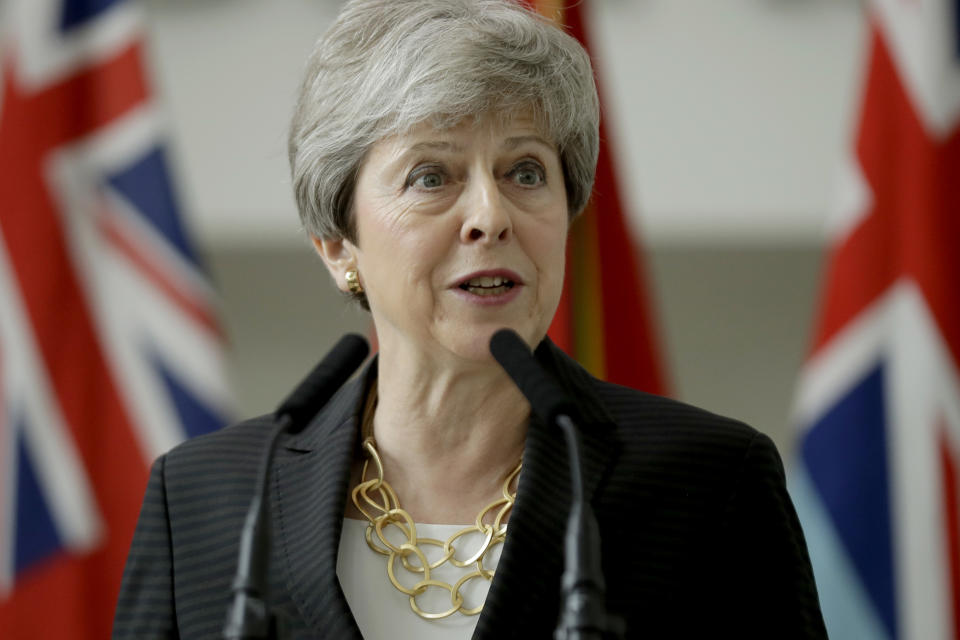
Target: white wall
(730,117)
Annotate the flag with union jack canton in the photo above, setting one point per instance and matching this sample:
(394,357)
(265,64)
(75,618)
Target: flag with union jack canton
(110,351)
(877,483)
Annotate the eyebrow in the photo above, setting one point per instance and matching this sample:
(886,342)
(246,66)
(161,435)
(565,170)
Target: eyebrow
(434,146)
(509,144)
(516,141)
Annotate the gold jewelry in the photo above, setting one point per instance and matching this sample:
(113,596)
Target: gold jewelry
(378,502)
(353,281)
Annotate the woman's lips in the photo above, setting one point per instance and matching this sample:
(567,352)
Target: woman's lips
(488,285)
(494,286)
(488,278)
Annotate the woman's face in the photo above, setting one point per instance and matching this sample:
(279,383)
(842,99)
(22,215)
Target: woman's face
(460,232)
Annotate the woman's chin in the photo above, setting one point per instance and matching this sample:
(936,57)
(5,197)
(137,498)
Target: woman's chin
(475,345)
(462,341)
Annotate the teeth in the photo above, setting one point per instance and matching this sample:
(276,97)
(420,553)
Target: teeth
(488,291)
(487,285)
(486,281)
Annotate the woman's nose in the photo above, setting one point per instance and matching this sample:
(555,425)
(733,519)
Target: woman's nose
(487,218)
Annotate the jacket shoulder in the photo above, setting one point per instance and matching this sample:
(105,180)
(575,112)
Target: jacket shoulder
(185,547)
(637,415)
(703,499)
(236,448)
(683,448)
(212,477)
(636,412)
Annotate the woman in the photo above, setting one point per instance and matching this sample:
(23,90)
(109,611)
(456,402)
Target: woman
(439,150)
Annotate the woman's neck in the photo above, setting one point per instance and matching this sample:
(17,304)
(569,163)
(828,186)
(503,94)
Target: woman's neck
(447,435)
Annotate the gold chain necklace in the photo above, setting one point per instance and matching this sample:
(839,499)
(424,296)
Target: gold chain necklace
(378,502)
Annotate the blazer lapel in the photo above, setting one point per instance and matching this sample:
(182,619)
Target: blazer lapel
(524,597)
(312,473)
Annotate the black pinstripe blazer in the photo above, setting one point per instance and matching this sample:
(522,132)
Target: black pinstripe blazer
(699,535)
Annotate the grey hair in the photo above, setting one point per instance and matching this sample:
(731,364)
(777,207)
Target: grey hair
(385,66)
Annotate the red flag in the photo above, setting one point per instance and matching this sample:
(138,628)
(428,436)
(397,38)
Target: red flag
(109,350)
(604,319)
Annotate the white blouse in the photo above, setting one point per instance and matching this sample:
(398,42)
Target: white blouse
(382,611)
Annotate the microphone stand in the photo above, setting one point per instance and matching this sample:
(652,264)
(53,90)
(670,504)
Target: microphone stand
(249,616)
(583,589)
(583,613)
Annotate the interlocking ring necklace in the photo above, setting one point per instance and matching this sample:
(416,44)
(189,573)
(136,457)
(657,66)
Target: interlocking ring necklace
(378,503)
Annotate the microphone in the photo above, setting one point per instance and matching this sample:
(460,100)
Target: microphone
(583,614)
(546,397)
(322,382)
(248,617)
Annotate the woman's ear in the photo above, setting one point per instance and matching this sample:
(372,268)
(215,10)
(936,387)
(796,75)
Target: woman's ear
(340,256)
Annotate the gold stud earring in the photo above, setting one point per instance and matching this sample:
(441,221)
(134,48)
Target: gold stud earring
(353,281)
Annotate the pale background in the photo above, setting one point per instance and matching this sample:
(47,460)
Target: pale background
(729,121)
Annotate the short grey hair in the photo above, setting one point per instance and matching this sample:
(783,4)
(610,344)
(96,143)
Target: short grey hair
(385,66)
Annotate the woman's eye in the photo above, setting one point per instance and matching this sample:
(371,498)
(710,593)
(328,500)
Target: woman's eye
(528,175)
(426,179)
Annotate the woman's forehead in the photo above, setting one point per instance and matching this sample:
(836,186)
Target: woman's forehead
(508,130)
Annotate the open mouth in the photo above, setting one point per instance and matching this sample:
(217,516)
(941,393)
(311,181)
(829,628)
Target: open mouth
(488,285)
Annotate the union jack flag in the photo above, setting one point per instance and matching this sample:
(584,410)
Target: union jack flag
(110,352)
(878,480)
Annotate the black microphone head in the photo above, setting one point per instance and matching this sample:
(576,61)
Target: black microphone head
(323,381)
(546,397)
(506,345)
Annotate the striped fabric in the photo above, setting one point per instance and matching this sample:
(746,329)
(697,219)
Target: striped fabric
(699,535)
